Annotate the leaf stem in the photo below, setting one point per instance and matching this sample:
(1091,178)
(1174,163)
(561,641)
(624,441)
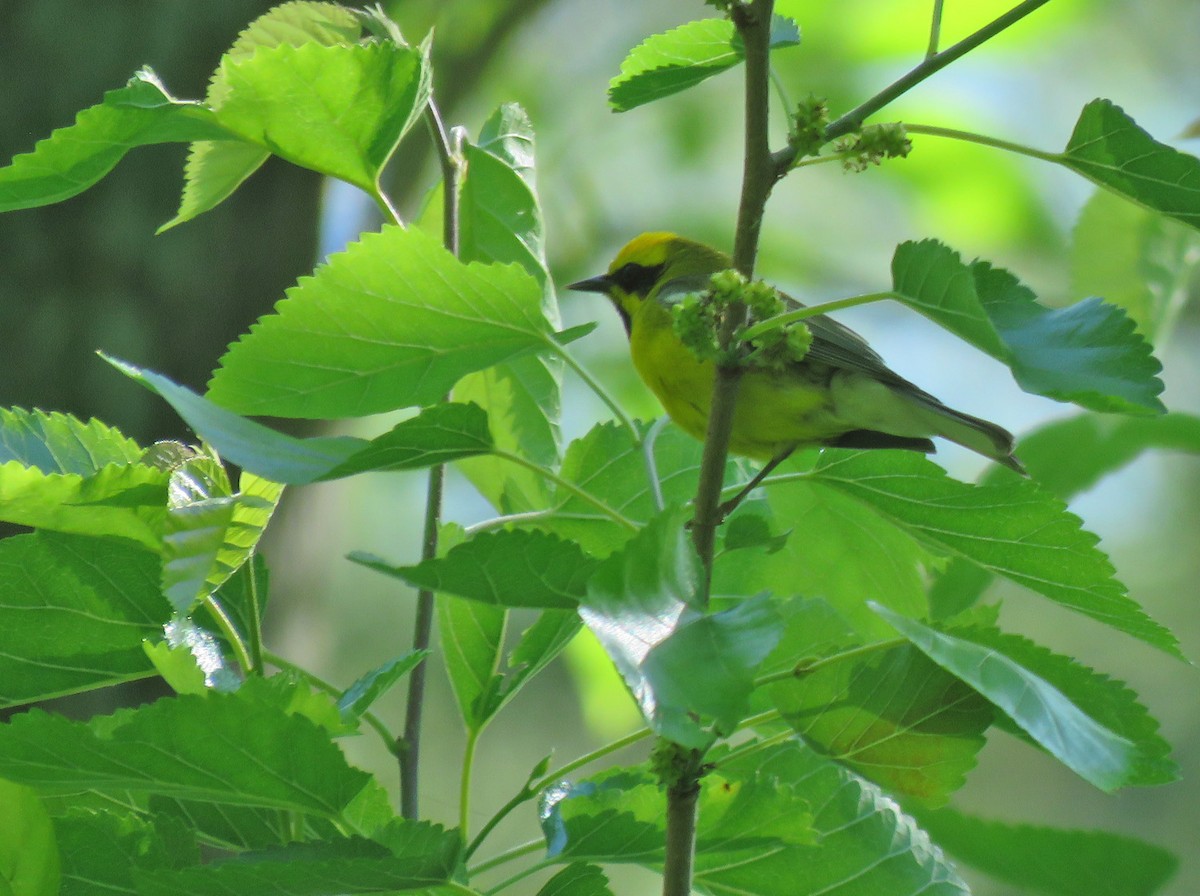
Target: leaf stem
(509,855)
(982,140)
(935,30)
(806,666)
(464,785)
(807,311)
(569,486)
(320,684)
(853,120)
(225,623)
(254,636)
(597,388)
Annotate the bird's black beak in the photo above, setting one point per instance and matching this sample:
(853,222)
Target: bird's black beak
(593,284)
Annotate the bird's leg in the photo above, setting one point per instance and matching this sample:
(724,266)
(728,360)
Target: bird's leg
(729,506)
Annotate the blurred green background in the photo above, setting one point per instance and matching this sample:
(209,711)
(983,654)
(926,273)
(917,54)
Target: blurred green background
(90,274)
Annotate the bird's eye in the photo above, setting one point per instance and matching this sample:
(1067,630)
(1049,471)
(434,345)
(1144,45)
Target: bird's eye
(636,279)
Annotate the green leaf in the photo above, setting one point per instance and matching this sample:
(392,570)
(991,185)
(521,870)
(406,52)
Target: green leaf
(210,532)
(393,321)
(607,463)
(215,169)
(1109,148)
(319,868)
(709,662)
(577,879)
(100,851)
(501,222)
(538,645)
(357,698)
(1068,457)
(640,599)
(1053,861)
(73,614)
(190,659)
(1087,353)
(29,864)
(894,717)
(1135,258)
(618,816)
(865,845)
(437,435)
(472,636)
(73,158)
(213,748)
(841,548)
(1092,751)
(511,568)
(339,110)
(236,828)
(1013,529)
(58,443)
(1108,701)
(671,62)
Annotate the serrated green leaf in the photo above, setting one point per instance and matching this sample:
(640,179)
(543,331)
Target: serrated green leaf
(864,845)
(357,698)
(1013,529)
(215,169)
(1096,754)
(539,644)
(29,864)
(392,322)
(671,62)
(1135,258)
(512,568)
(1109,148)
(190,659)
(73,614)
(577,879)
(472,640)
(501,221)
(643,595)
(74,157)
(339,110)
(317,868)
(894,717)
(1108,701)
(1087,353)
(59,443)
(437,435)
(1053,861)
(101,849)
(235,828)
(212,748)
(618,816)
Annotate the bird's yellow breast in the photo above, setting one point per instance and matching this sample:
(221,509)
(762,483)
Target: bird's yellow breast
(775,412)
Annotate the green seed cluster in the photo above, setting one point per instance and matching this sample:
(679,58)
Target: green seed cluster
(808,127)
(874,144)
(696,319)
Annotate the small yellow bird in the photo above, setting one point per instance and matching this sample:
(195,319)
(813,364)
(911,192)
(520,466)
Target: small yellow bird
(840,394)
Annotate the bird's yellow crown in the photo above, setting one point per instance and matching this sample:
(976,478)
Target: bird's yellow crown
(647,249)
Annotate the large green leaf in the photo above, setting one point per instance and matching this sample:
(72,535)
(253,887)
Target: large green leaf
(1109,148)
(501,222)
(323,868)
(514,568)
(577,879)
(1013,529)
(74,157)
(393,321)
(1091,750)
(339,110)
(893,716)
(29,864)
(1053,861)
(73,614)
(59,443)
(102,849)
(668,63)
(1087,353)
(437,435)
(213,748)
(215,169)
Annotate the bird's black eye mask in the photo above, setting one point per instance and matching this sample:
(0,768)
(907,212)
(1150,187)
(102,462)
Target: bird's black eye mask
(636,279)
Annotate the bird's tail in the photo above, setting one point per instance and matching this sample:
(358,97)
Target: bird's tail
(981,436)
